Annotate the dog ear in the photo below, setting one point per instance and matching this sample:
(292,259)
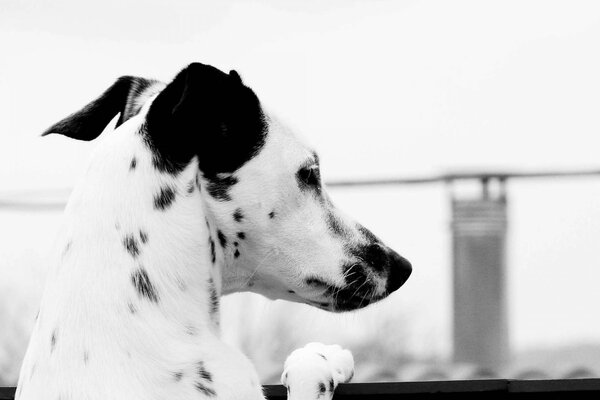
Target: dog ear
(89,122)
(208,113)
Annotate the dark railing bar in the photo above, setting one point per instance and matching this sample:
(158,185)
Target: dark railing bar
(451,177)
(490,388)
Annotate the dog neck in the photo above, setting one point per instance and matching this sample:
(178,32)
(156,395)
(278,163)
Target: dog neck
(135,249)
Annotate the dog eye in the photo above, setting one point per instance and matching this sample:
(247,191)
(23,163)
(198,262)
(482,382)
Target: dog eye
(309,175)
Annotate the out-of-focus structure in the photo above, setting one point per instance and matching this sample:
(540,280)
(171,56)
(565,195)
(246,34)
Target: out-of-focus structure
(479,236)
(479,227)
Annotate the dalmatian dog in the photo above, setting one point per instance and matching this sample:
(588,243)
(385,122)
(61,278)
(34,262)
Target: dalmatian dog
(195,192)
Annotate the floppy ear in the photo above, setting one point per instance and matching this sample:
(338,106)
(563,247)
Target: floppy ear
(89,122)
(208,113)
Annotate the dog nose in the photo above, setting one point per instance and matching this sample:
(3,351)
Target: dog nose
(399,270)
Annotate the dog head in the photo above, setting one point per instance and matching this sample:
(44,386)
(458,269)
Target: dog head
(276,227)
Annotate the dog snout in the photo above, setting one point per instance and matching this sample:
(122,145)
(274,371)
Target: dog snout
(399,271)
(385,260)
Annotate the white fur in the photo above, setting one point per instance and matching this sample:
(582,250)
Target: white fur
(130,356)
(316,366)
(280,253)
(97,338)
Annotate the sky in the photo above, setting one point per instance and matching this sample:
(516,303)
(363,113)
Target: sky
(382,89)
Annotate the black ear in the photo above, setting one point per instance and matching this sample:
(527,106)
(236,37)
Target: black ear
(208,113)
(89,122)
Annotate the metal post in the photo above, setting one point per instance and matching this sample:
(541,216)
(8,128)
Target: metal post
(479,256)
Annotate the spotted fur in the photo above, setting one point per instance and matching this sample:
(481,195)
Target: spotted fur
(218,187)
(131,245)
(238,216)
(143,285)
(129,303)
(164,198)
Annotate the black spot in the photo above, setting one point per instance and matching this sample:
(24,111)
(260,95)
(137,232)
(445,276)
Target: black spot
(322,387)
(133,164)
(53,340)
(241,235)
(236,254)
(202,372)
(331,385)
(164,198)
(291,291)
(177,376)
(218,187)
(191,186)
(131,307)
(334,224)
(213,255)
(236,244)
(143,285)
(205,389)
(131,245)
(222,239)
(143,237)
(86,357)
(238,216)
(322,356)
(272,214)
(214,297)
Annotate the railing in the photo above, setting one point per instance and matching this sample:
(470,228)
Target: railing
(571,389)
(55,199)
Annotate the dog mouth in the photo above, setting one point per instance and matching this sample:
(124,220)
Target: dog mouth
(345,305)
(361,292)
(364,283)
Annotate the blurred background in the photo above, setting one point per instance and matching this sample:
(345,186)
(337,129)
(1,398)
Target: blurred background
(505,269)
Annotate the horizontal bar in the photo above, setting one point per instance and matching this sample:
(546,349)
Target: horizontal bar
(493,388)
(496,388)
(31,205)
(458,176)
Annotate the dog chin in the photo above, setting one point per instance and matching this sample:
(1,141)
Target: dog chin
(345,305)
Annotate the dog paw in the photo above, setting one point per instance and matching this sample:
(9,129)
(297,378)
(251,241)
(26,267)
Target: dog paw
(314,371)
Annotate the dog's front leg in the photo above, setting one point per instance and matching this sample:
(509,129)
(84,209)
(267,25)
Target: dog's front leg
(314,371)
